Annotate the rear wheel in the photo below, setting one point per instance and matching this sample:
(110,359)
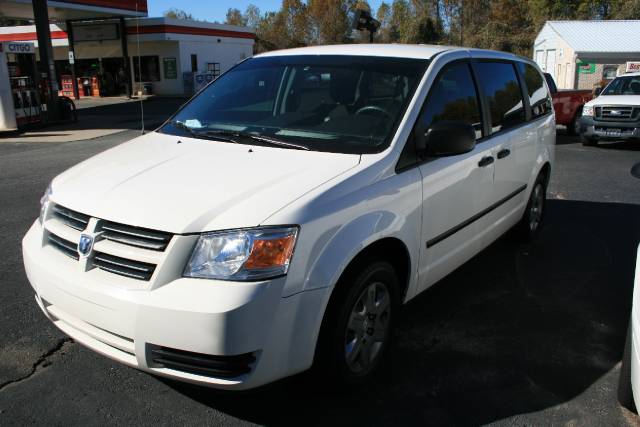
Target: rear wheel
(357,330)
(573,128)
(531,221)
(625,393)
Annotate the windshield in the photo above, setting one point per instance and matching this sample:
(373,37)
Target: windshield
(345,104)
(629,85)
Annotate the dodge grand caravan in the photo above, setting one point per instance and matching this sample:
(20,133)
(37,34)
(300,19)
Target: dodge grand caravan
(283,215)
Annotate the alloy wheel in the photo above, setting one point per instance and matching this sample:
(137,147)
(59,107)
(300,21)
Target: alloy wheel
(367,328)
(537,205)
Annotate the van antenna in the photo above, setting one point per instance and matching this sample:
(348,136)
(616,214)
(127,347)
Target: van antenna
(139,70)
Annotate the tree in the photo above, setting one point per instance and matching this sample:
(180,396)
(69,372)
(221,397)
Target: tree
(235,17)
(384,16)
(177,14)
(329,21)
(252,16)
(625,9)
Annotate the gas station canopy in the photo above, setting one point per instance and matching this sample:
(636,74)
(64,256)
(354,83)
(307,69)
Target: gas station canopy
(76,9)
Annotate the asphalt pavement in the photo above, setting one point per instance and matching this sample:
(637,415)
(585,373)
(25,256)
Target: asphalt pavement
(523,334)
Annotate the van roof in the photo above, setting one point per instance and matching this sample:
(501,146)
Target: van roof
(419,51)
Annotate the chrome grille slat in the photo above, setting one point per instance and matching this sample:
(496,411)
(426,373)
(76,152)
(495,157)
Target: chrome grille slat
(123,267)
(135,236)
(72,218)
(115,261)
(66,247)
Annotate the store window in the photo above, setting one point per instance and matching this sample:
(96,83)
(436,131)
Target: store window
(213,68)
(146,68)
(609,72)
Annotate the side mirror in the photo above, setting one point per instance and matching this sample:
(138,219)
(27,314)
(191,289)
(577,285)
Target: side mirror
(445,138)
(597,91)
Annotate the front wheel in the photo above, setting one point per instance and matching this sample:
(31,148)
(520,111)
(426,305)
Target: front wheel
(357,329)
(588,142)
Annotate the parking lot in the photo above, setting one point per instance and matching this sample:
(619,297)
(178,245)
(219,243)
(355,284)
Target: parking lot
(521,335)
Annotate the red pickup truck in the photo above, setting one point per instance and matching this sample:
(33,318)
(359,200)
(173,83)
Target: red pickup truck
(568,105)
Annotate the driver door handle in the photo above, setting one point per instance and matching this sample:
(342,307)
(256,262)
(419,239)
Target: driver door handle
(485,161)
(503,153)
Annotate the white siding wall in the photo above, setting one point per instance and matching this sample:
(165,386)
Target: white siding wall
(166,49)
(546,41)
(227,52)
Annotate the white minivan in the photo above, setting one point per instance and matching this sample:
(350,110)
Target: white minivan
(282,216)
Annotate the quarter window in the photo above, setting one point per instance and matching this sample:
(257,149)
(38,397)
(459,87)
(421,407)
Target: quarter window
(538,94)
(453,97)
(502,91)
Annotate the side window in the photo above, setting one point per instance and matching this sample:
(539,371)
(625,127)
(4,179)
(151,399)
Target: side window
(500,86)
(453,97)
(539,98)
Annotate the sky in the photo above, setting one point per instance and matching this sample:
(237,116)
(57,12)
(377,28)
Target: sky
(216,10)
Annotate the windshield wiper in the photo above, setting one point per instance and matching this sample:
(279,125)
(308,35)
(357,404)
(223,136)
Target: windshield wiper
(258,138)
(202,135)
(233,136)
(277,142)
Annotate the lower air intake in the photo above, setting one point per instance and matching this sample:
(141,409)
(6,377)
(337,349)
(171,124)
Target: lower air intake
(203,364)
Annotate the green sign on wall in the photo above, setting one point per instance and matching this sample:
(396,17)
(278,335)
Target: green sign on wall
(170,68)
(586,67)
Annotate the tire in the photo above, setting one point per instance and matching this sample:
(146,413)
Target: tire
(625,393)
(573,128)
(358,323)
(531,221)
(69,109)
(588,142)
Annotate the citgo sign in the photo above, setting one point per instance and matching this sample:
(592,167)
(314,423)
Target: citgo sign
(10,47)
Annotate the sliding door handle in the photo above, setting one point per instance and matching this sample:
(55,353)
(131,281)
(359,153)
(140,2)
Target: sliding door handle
(503,153)
(486,161)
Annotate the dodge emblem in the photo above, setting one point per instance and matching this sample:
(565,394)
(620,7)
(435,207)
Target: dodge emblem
(85,245)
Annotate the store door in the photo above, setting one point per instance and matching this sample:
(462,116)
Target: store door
(114,82)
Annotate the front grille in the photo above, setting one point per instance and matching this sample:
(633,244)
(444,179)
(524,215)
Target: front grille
(73,219)
(66,247)
(615,113)
(125,250)
(123,266)
(135,236)
(203,364)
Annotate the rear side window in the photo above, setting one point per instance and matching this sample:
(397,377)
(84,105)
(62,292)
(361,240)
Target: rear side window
(453,97)
(538,94)
(500,86)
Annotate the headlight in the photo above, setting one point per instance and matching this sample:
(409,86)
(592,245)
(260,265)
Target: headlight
(44,203)
(250,254)
(587,110)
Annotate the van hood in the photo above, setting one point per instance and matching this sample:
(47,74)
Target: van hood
(184,185)
(630,100)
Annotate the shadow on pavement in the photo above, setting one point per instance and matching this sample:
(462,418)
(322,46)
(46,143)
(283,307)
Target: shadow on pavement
(517,329)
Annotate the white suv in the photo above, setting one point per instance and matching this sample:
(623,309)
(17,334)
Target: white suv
(283,215)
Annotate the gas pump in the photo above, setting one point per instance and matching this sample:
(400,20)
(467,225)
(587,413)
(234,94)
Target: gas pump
(20,102)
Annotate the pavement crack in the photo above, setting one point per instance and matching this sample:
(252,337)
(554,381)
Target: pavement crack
(42,362)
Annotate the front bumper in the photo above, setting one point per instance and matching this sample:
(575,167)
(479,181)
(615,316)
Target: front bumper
(246,323)
(598,129)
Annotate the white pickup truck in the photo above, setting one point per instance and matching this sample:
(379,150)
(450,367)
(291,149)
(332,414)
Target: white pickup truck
(615,114)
